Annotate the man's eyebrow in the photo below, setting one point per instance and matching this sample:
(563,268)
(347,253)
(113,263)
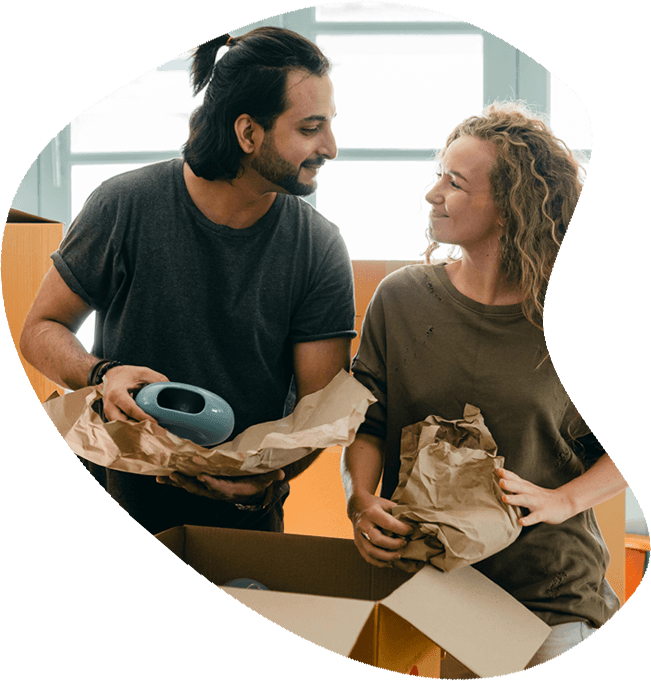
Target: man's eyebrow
(317,117)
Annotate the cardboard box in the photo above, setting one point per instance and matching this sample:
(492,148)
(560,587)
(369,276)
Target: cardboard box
(26,247)
(322,590)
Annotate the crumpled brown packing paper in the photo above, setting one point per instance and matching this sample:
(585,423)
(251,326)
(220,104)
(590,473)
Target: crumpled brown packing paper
(449,492)
(323,419)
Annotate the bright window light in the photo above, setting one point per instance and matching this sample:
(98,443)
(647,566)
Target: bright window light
(568,116)
(379,207)
(377,11)
(403,91)
(149,114)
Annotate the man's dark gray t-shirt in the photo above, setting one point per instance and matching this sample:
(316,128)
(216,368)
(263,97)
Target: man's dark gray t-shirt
(203,303)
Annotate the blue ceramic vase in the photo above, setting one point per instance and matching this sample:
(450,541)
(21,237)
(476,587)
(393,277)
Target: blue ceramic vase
(244,583)
(188,411)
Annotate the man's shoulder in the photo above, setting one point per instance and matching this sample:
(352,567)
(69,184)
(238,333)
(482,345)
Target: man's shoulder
(126,194)
(140,179)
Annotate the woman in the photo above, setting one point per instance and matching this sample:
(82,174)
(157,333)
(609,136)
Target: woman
(438,336)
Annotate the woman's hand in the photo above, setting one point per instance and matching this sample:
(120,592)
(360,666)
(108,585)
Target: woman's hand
(601,482)
(378,535)
(374,527)
(551,506)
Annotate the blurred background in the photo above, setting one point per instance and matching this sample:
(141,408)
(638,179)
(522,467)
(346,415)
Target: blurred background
(403,77)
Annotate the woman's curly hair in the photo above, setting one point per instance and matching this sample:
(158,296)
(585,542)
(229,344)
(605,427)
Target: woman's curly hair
(536,183)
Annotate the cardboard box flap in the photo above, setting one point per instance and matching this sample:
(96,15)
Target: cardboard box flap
(400,645)
(320,566)
(333,623)
(470,617)
(174,540)
(19,216)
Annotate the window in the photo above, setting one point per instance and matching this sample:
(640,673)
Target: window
(404,77)
(398,97)
(568,117)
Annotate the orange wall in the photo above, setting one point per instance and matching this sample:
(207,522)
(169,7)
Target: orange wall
(637,550)
(26,248)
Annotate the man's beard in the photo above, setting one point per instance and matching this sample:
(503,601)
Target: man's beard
(278,170)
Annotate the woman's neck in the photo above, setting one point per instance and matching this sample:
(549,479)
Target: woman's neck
(482,281)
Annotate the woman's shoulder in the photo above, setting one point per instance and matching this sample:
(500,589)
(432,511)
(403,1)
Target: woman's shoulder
(412,277)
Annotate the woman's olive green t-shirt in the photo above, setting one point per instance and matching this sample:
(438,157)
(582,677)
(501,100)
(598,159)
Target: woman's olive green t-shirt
(427,349)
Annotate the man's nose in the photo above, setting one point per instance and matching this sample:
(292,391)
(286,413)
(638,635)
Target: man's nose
(328,148)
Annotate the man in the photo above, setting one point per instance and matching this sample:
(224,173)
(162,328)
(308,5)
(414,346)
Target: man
(209,270)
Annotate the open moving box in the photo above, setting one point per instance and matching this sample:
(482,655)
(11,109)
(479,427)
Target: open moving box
(322,590)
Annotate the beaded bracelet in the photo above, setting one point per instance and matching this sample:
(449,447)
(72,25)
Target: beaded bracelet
(97,372)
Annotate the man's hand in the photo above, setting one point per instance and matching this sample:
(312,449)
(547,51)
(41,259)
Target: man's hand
(246,489)
(120,384)
(551,506)
(374,526)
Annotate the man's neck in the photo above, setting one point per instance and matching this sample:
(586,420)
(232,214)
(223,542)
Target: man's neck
(237,204)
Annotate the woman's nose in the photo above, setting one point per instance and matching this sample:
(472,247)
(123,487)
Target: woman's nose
(434,195)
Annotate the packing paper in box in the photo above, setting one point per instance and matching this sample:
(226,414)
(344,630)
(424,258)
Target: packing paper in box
(449,492)
(326,418)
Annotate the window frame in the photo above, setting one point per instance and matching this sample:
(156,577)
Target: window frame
(508,74)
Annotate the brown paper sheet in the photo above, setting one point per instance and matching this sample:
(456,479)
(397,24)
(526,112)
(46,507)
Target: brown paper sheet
(323,419)
(449,492)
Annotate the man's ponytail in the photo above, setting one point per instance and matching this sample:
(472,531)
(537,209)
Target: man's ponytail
(204,62)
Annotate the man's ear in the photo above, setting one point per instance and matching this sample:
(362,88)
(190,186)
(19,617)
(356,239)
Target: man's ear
(249,133)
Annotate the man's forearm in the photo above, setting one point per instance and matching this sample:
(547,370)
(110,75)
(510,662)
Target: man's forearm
(57,353)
